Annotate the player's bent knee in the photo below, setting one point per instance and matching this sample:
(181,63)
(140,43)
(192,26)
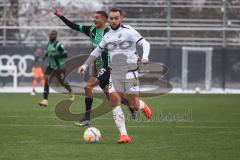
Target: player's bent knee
(115,100)
(135,106)
(89,86)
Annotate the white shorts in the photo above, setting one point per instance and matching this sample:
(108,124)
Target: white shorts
(128,85)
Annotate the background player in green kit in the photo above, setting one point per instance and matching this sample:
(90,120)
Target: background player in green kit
(100,72)
(55,53)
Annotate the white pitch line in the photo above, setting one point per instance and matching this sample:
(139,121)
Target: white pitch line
(37,117)
(27,117)
(129,126)
(37,125)
(206,127)
(67,125)
(215,133)
(102,118)
(217,121)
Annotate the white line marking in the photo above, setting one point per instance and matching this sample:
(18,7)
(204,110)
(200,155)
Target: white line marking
(128,126)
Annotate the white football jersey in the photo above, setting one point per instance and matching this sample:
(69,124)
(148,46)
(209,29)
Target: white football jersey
(122,41)
(121,45)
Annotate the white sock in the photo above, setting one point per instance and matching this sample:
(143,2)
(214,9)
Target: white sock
(119,119)
(141,104)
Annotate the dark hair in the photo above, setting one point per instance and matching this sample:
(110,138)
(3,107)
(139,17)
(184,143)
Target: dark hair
(54,31)
(102,13)
(116,10)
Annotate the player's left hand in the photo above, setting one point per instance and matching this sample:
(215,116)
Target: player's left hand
(144,61)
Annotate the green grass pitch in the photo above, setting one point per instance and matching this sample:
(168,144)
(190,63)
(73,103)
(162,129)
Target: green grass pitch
(197,127)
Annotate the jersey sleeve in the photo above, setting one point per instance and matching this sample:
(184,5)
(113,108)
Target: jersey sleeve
(61,50)
(102,44)
(85,29)
(135,35)
(69,23)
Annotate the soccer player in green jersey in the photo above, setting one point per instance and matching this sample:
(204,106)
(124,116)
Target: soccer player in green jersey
(55,53)
(101,68)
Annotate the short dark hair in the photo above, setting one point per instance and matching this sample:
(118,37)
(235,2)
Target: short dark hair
(102,13)
(116,10)
(54,31)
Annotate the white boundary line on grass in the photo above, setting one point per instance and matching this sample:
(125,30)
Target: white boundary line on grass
(110,126)
(174,91)
(130,121)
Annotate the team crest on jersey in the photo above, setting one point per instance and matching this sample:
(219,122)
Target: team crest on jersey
(93,35)
(120,35)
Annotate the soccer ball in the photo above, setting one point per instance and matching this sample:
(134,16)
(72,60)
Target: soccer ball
(92,135)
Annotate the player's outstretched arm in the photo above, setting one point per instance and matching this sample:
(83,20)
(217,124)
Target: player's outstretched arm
(69,23)
(93,56)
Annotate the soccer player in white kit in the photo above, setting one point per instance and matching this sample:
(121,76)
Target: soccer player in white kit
(121,42)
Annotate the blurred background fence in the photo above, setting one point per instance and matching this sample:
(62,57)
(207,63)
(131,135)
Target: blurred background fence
(197,39)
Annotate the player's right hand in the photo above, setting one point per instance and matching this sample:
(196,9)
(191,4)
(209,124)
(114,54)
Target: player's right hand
(81,70)
(57,12)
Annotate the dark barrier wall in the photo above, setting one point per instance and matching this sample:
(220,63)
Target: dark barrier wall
(225,65)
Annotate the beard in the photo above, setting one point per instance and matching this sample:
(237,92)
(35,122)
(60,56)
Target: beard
(116,27)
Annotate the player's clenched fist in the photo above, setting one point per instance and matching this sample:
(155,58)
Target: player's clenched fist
(57,12)
(81,70)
